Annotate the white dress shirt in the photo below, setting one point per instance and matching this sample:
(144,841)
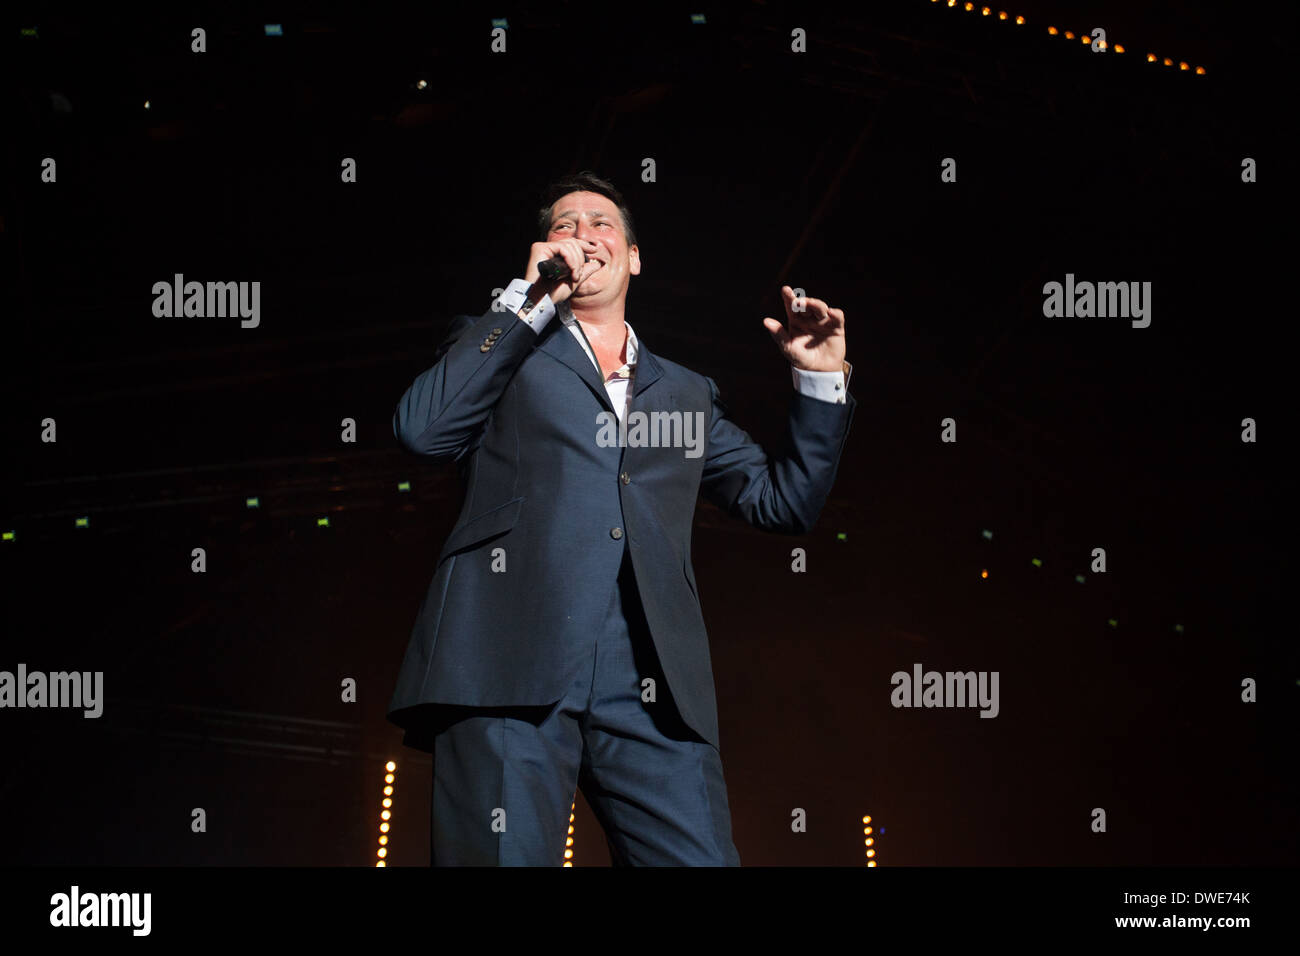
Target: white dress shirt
(824,386)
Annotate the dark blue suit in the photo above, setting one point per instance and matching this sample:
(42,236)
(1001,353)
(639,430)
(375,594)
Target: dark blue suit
(596,543)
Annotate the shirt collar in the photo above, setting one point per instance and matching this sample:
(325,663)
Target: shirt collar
(566,316)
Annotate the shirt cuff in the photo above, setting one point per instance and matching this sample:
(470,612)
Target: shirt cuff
(512,300)
(823,386)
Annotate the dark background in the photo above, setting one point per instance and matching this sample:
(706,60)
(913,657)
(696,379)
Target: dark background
(819,170)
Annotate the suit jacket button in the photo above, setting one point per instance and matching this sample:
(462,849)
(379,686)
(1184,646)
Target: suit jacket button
(496,331)
(616,533)
(484,348)
(625,478)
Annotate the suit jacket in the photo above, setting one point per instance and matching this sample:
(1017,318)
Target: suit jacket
(518,412)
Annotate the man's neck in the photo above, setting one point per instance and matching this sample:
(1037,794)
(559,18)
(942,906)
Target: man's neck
(605,320)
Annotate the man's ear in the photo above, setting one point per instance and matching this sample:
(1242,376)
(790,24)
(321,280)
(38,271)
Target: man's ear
(634,261)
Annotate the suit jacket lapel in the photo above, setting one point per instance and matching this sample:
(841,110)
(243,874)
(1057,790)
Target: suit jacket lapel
(560,344)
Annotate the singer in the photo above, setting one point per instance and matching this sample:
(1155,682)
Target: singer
(561,643)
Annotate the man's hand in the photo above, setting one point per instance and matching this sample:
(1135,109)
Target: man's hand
(814,340)
(574,251)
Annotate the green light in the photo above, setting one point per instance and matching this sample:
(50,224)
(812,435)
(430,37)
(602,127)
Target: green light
(403,486)
(10,536)
(500,22)
(988,535)
(1112,622)
(1178,628)
(252,503)
(27,31)
(697,18)
(1080,578)
(1037,562)
(322,522)
(841,536)
(83,522)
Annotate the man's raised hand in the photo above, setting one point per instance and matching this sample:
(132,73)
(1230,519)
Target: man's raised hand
(812,339)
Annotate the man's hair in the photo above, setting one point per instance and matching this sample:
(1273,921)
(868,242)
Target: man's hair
(583,182)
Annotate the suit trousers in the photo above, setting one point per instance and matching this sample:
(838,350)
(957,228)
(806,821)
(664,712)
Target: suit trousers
(504,778)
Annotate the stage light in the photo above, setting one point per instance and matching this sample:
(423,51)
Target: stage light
(1020,21)
(1151,57)
(500,22)
(984,573)
(866,830)
(146,104)
(866,819)
(385,815)
(9,536)
(1084,39)
(568,840)
(1112,622)
(985,11)
(841,536)
(1069,35)
(697,18)
(1079,578)
(1052,31)
(421,84)
(871,841)
(252,503)
(1200,71)
(1178,628)
(969,7)
(83,523)
(322,522)
(274,29)
(403,486)
(1182,66)
(1119,48)
(1002,14)
(871,853)
(952,3)
(986,534)
(1037,562)
(1168,62)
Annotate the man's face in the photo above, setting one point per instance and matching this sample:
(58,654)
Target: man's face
(594,218)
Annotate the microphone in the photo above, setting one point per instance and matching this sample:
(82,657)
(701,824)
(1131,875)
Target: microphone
(556,268)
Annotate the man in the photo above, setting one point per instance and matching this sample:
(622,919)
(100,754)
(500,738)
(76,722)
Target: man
(561,642)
